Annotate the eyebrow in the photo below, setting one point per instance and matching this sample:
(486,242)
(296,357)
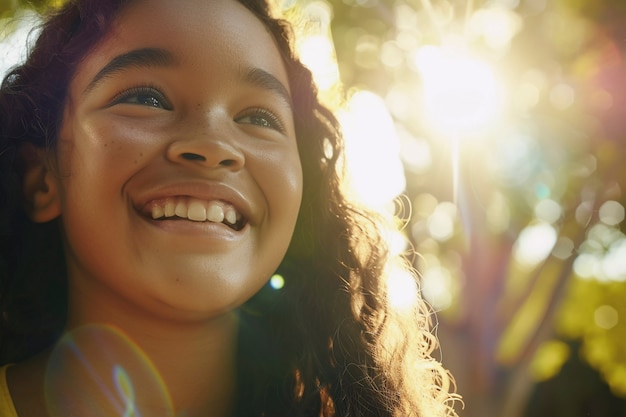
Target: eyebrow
(263,79)
(138,58)
(158,57)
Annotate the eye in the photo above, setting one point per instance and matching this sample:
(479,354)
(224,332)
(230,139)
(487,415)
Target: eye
(143,96)
(263,118)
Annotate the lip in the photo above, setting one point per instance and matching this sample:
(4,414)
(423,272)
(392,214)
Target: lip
(201,190)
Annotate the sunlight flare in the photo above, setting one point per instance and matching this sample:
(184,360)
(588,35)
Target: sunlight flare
(460,93)
(376,174)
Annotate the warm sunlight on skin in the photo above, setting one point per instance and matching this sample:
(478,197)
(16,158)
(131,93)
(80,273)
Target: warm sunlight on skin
(461,94)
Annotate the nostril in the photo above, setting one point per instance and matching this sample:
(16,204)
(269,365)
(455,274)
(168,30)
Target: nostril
(189,156)
(228,162)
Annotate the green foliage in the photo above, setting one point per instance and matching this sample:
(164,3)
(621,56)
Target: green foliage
(595,313)
(9,7)
(549,359)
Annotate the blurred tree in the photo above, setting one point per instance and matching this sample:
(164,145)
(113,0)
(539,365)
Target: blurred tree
(535,247)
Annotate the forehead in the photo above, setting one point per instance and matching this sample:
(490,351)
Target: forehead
(197,32)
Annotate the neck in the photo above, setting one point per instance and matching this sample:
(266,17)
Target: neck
(191,362)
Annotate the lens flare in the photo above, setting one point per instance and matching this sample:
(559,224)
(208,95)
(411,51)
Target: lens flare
(460,93)
(277,282)
(98,371)
(125,390)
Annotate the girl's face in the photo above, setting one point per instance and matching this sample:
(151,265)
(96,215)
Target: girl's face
(179,174)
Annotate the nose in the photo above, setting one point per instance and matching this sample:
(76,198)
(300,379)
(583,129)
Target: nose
(211,145)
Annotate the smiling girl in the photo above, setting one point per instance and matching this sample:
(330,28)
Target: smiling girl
(160,162)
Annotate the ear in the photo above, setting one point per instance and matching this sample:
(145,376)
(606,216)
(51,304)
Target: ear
(40,186)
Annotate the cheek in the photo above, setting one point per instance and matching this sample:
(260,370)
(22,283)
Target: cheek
(105,148)
(282,183)
(125,144)
(279,176)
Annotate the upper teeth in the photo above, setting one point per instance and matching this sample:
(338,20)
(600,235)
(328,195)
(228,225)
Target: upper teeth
(195,210)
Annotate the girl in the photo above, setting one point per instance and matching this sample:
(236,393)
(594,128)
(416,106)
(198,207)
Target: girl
(160,162)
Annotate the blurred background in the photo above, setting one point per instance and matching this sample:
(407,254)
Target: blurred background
(496,129)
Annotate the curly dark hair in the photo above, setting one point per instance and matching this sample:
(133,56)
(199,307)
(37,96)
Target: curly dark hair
(327,344)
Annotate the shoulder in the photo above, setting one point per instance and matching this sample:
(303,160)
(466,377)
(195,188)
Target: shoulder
(21,388)
(7,408)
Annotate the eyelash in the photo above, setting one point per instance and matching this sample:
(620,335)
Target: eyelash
(149,91)
(274,122)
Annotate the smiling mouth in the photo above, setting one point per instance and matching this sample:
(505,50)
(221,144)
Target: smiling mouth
(195,210)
